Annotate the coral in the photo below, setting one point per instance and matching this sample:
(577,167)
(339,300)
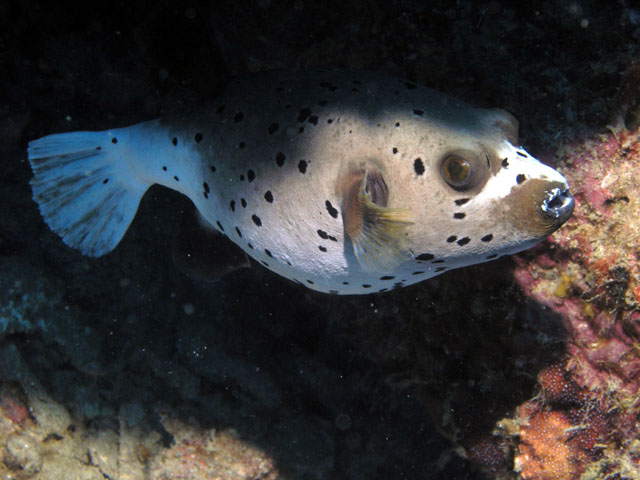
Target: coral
(200,453)
(590,276)
(544,453)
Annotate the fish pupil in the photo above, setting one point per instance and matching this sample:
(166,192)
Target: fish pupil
(457,170)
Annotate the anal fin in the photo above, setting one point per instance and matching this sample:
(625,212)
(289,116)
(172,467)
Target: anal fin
(204,254)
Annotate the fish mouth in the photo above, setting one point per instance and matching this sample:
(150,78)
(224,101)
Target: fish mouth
(558,204)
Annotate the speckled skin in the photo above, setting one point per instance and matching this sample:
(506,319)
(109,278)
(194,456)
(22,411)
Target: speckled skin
(266,164)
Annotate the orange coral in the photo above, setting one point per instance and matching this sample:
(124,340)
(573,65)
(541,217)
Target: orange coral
(544,451)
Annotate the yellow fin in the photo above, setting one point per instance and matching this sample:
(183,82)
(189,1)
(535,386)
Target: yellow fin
(377,233)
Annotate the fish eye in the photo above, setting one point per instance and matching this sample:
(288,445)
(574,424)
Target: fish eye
(456,171)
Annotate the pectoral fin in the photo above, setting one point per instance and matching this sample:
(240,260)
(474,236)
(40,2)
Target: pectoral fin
(377,232)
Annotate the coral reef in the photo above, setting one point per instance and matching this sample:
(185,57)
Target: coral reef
(590,276)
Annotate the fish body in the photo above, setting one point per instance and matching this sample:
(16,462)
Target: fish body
(344,182)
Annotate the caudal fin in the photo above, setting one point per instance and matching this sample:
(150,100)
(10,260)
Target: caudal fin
(84,188)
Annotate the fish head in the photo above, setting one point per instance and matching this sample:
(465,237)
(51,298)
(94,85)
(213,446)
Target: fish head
(473,194)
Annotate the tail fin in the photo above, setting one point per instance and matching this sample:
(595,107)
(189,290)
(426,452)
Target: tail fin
(85,189)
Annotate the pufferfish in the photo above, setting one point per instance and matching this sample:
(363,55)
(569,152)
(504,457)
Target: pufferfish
(343,182)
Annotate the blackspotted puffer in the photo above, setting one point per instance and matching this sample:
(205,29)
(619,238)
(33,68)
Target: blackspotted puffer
(344,182)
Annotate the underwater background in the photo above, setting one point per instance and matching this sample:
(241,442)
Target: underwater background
(125,367)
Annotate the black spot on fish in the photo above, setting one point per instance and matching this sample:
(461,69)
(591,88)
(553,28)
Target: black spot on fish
(175,141)
(387,277)
(522,154)
(198,137)
(310,282)
(418,166)
(206,187)
(175,177)
(268,196)
(492,256)
(241,145)
(322,249)
(397,124)
(273,128)
(238,117)
(419,272)
(242,177)
(251,175)
(463,241)
(418,112)
(303,114)
(268,253)
(425,257)
(505,163)
(329,121)
(280,157)
(520,178)
(382,290)
(332,211)
(441,269)
(250,246)
(256,220)
(313,119)
(302,166)
(462,201)
(366,285)
(459,215)
(345,283)
(243,202)
(487,238)
(438,261)
(325,236)
(114,140)
(213,169)
(394,150)
(452,239)
(333,292)
(265,263)
(232,205)
(105,181)
(220,226)
(164,168)
(238,232)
